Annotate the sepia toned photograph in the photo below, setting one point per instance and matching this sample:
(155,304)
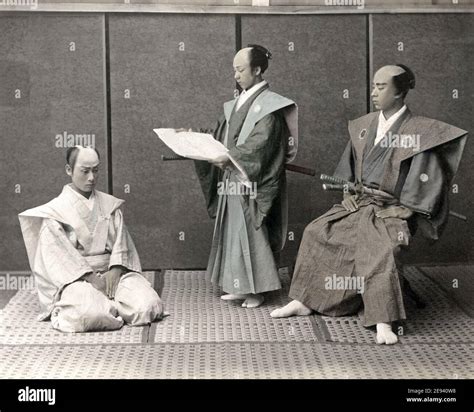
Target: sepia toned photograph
(243,193)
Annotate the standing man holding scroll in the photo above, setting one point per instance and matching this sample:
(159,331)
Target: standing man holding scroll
(260,130)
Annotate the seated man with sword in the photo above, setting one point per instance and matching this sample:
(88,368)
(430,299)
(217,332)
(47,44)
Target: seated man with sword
(389,190)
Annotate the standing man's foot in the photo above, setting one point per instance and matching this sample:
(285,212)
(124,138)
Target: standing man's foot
(231,296)
(294,308)
(253,301)
(385,334)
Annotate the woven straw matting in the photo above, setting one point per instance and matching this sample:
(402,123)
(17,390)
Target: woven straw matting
(441,321)
(18,326)
(304,360)
(206,337)
(199,315)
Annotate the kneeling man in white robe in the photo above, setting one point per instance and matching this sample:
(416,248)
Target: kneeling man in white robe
(86,267)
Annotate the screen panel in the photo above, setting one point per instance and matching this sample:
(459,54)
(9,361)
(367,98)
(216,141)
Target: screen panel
(52,95)
(166,71)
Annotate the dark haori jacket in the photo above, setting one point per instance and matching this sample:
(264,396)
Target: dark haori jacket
(420,159)
(261,136)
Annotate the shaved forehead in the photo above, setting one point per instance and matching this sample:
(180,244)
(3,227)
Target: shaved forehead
(389,71)
(242,56)
(87,156)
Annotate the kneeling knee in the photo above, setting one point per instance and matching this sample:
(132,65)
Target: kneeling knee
(146,312)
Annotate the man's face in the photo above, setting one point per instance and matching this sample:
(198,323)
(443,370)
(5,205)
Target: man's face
(85,174)
(243,73)
(384,94)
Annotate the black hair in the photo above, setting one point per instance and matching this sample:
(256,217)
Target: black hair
(259,57)
(72,152)
(404,81)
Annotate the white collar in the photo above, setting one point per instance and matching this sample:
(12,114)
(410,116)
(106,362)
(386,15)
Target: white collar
(385,124)
(393,118)
(246,94)
(89,202)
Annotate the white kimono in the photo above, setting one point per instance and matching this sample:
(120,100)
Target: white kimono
(70,237)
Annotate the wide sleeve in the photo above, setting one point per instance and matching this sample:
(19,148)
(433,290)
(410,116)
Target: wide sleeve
(208,174)
(55,264)
(262,156)
(428,183)
(57,261)
(424,184)
(123,251)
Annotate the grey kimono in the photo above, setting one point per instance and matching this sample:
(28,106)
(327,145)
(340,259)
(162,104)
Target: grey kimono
(346,244)
(248,230)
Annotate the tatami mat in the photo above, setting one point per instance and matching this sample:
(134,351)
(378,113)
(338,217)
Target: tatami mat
(199,315)
(205,337)
(18,326)
(441,321)
(302,360)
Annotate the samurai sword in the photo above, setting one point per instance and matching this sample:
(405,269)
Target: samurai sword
(335,183)
(338,184)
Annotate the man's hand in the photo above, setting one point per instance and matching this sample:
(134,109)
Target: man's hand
(400,212)
(95,280)
(221,161)
(112,279)
(350,202)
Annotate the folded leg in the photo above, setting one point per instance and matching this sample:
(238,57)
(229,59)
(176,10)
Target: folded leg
(82,308)
(137,302)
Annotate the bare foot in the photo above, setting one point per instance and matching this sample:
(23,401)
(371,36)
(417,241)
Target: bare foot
(231,296)
(253,301)
(385,334)
(294,308)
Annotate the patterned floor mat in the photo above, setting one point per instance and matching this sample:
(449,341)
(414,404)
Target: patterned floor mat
(234,360)
(199,315)
(441,321)
(19,326)
(206,337)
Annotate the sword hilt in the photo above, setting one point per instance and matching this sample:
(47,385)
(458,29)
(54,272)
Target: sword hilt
(333,180)
(332,187)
